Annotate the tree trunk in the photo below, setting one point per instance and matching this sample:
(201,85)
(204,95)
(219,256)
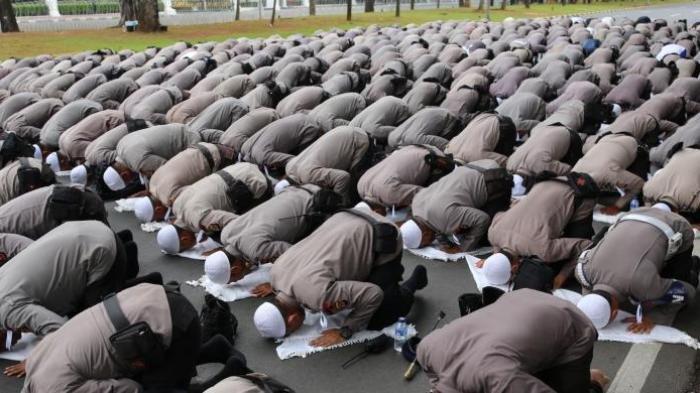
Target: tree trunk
(398,8)
(238,10)
(413,4)
(148,16)
(127,10)
(348,16)
(274,12)
(460,4)
(312,7)
(527,3)
(369,5)
(8,22)
(481,5)
(503,4)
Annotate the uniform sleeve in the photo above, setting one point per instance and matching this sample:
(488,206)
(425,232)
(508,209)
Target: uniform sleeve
(362,297)
(35,318)
(277,159)
(268,250)
(514,381)
(667,127)
(566,249)
(150,163)
(629,182)
(558,167)
(336,179)
(528,125)
(123,385)
(211,135)
(433,140)
(29,132)
(401,192)
(216,220)
(475,224)
(692,107)
(499,158)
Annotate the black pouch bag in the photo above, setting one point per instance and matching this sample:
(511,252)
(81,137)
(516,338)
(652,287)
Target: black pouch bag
(216,318)
(133,343)
(268,384)
(534,274)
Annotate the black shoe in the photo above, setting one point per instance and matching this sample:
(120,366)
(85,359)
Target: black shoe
(418,279)
(132,259)
(469,302)
(126,236)
(491,294)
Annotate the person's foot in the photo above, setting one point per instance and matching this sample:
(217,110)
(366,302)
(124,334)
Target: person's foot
(418,279)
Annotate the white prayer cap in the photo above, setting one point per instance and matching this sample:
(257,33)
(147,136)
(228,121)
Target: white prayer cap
(662,206)
(617,110)
(411,234)
(52,160)
(113,180)
(280,186)
(363,206)
(217,268)
(518,188)
(497,269)
(168,239)
(37,152)
(596,308)
(143,209)
(78,175)
(269,321)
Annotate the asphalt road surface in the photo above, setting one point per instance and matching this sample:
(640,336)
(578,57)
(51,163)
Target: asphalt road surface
(649,368)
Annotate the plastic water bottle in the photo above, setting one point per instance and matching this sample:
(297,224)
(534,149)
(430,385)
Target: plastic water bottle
(400,334)
(634,204)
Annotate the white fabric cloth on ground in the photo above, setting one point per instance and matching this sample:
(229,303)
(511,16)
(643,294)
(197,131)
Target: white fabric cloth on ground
(22,348)
(297,344)
(125,204)
(478,274)
(617,330)
(238,290)
(197,252)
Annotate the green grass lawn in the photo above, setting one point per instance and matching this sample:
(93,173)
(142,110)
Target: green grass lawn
(29,44)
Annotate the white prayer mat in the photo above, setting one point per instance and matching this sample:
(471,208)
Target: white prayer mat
(22,348)
(297,344)
(238,290)
(435,253)
(197,252)
(125,204)
(617,330)
(602,218)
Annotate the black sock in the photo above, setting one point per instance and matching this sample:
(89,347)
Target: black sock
(418,279)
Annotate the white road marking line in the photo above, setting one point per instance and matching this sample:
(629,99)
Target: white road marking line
(696,12)
(675,15)
(635,369)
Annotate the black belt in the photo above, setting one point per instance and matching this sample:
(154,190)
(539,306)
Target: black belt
(228,179)
(207,155)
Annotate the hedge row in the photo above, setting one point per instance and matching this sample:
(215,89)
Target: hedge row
(70,8)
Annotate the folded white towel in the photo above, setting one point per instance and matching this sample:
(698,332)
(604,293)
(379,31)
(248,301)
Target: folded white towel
(617,330)
(22,348)
(297,344)
(238,290)
(125,204)
(153,226)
